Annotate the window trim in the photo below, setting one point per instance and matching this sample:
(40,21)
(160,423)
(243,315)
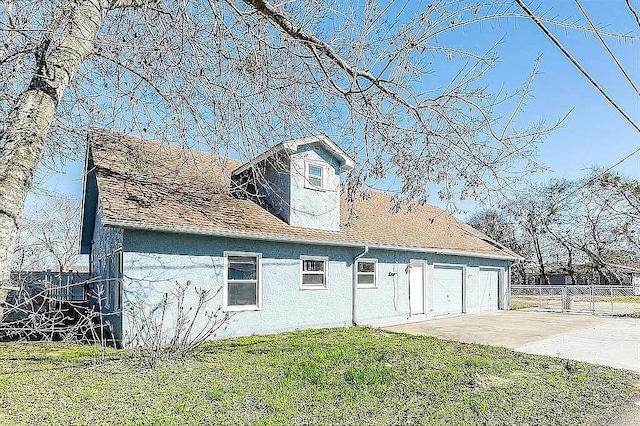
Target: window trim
(325,273)
(107,282)
(374,273)
(118,280)
(225,289)
(307,175)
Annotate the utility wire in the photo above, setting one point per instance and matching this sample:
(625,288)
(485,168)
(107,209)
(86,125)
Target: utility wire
(633,11)
(595,30)
(535,19)
(598,175)
(555,41)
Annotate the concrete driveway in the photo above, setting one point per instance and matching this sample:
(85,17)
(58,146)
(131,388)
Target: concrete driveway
(610,341)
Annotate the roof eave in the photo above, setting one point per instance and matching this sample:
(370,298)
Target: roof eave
(260,236)
(292,145)
(88,203)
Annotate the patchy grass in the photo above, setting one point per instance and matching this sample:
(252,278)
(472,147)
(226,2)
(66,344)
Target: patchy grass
(335,376)
(520,303)
(524,302)
(625,299)
(533,301)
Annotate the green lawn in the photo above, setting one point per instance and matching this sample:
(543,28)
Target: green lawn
(339,376)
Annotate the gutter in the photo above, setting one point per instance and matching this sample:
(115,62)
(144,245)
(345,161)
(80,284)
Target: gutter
(354,286)
(261,236)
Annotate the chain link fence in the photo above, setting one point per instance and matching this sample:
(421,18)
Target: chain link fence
(597,299)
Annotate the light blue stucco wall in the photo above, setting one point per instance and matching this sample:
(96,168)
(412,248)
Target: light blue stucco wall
(392,292)
(277,187)
(106,241)
(314,208)
(105,272)
(154,262)
(292,197)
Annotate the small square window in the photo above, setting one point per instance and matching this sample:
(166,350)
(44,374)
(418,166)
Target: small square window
(366,274)
(315,176)
(314,273)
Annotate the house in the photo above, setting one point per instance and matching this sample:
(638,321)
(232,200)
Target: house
(276,235)
(611,274)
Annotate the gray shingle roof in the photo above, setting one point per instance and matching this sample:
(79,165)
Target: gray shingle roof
(149,185)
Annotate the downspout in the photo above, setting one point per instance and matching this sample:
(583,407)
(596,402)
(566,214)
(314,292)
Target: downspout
(355,284)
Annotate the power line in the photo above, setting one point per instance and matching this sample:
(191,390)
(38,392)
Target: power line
(535,19)
(633,11)
(606,46)
(598,175)
(559,45)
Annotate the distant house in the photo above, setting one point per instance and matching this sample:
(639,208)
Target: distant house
(587,274)
(277,236)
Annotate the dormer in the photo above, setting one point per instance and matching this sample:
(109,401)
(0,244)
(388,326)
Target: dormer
(299,180)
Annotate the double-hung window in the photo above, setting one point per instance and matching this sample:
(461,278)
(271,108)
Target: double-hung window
(315,176)
(366,273)
(118,280)
(107,282)
(313,272)
(243,282)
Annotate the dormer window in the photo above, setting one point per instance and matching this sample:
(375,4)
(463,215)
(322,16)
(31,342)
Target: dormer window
(315,176)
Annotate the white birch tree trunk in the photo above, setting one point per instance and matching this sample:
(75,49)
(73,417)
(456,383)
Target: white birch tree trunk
(26,126)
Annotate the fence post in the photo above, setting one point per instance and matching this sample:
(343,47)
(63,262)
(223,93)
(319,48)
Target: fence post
(611,292)
(592,304)
(540,297)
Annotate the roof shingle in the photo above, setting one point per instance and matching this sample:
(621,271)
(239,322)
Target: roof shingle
(151,185)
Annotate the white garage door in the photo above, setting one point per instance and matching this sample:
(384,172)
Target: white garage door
(447,290)
(488,281)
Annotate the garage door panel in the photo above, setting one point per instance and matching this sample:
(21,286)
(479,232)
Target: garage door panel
(447,290)
(488,287)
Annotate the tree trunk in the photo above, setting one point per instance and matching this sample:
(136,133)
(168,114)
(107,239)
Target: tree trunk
(28,121)
(544,279)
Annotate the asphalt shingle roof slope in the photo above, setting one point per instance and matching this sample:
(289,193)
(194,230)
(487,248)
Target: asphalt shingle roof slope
(149,185)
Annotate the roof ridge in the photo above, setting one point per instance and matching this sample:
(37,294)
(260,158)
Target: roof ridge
(160,144)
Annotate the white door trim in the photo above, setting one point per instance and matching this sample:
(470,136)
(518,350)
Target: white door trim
(422,265)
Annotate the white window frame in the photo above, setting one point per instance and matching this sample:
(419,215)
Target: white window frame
(107,282)
(374,273)
(307,175)
(225,288)
(117,282)
(324,273)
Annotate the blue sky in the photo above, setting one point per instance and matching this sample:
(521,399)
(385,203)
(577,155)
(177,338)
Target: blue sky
(594,134)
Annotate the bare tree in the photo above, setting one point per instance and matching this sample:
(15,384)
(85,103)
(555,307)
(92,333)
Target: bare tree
(49,236)
(607,220)
(240,75)
(529,211)
(503,228)
(591,222)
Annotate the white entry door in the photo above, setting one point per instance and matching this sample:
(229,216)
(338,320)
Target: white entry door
(416,288)
(488,287)
(447,290)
